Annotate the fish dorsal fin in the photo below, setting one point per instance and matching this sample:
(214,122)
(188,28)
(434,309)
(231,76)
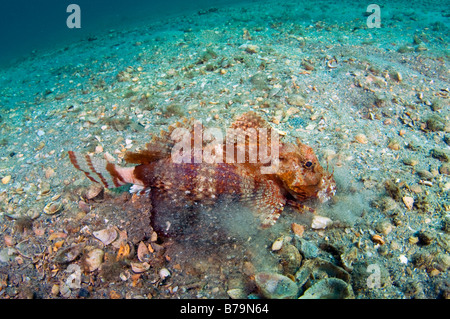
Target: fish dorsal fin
(246,129)
(250,120)
(159,147)
(249,129)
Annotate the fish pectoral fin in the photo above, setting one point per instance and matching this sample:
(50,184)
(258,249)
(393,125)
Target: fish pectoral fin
(271,217)
(267,202)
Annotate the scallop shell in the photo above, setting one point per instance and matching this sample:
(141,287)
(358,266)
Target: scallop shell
(52,208)
(276,286)
(329,288)
(106,236)
(318,268)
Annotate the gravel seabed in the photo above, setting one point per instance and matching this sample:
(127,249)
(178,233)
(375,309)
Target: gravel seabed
(373,103)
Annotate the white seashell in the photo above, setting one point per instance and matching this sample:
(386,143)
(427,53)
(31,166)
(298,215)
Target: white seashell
(164,273)
(143,253)
(65,291)
(73,281)
(6,179)
(139,267)
(52,208)
(94,259)
(237,293)
(403,259)
(277,244)
(409,202)
(320,222)
(106,236)
(276,286)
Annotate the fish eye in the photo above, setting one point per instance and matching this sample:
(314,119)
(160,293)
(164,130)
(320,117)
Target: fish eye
(308,164)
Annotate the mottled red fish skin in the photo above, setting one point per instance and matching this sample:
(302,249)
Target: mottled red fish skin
(298,178)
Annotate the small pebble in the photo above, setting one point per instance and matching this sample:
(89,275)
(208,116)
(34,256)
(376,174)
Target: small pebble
(237,293)
(320,222)
(6,179)
(164,273)
(442,261)
(94,259)
(408,201)
(446,187)
(308,66)
(411,161)
(445,169)
(83,293)
(426,175)
(55,290)
(361,138)
(277,244)
(416,188)
(98,149)
(397,76)
(298,229)
(384,227)
(394,145)
(442,155)
(296,100)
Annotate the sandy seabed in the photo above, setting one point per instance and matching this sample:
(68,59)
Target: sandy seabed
(373,103)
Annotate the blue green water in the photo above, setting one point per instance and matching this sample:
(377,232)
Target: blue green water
(27,26)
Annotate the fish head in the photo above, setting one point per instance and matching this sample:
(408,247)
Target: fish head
(302,175)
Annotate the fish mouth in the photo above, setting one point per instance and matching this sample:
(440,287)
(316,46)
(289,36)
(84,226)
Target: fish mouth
(324,190)
(327,188)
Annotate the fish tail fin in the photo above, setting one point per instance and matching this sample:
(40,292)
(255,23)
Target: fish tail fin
(101,171)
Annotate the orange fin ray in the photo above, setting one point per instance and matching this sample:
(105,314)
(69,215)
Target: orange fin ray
(300,207)
(159,147)
(101,171)
(268,202)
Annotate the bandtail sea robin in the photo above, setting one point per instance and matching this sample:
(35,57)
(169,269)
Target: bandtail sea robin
(298,176)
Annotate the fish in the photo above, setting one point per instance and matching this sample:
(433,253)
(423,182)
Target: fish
(267,185)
